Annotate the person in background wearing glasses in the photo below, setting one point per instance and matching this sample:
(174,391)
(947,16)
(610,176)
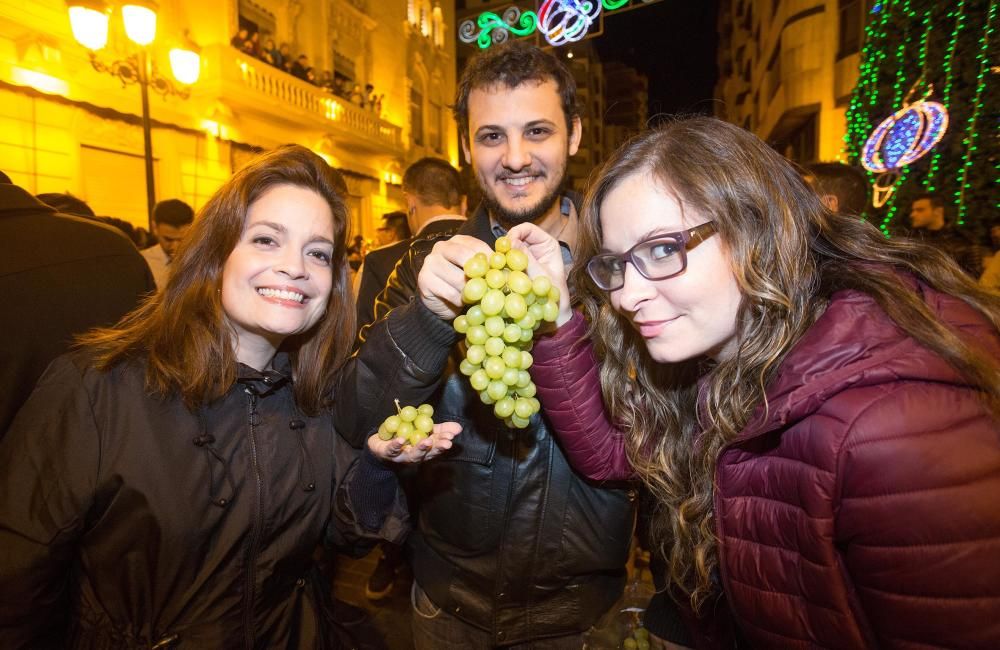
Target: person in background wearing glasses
(813,406)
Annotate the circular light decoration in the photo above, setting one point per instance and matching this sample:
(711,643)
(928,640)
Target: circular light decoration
(566,21)
(901,139)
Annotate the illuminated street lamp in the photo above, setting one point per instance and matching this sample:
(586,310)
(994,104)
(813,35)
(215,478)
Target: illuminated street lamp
(89,21)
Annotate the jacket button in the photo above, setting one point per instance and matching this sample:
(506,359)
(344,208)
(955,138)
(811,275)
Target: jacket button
(310,487)
(301,582)
(222,502)
(501,635)
(296,423)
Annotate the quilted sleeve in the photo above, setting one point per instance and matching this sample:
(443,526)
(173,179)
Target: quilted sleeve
(918,519)
(565,371)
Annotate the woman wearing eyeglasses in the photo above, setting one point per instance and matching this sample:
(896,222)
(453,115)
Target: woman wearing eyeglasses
(814,407)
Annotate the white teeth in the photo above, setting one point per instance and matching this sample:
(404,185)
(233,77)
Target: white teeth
(281,294)
(519,181)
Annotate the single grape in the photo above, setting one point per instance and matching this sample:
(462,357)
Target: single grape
(519,283)
(526,336)
(407,413)
(475,315)
(502,244)
(520,422)
(540,286)
(515,306)
(509,376)
(511,357)
(466,367)
(491,301)
(392,423)
(527,322)
(550,312)
(495,279)
(405,429)
(527,391)
(461,324)
(475,354)
(526,360)
(476,266)
(494,325)
(383,434)
(523,407)
(494,367)
(512,333)
(537,311)
(477,335)
(498,260)
(516,260)
(423,423)
(425,409)
(494,346)
(523,376)
(497,390)
(554,294)
(474,290)
(503,408)
(485,398)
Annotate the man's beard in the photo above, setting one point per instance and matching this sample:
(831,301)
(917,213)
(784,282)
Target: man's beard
(510,218)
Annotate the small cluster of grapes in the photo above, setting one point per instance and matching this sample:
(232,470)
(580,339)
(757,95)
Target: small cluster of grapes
(413,424)
(505,309)
(638,640)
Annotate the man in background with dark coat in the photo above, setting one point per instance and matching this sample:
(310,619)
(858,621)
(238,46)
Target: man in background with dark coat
(60,275)
(435,204)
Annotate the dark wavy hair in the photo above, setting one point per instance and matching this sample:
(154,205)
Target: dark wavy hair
(788,255)
(182,330)
(509,65)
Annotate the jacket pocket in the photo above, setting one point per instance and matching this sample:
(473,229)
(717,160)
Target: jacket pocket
(456,490)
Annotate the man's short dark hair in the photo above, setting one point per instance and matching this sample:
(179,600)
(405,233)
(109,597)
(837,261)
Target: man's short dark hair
(511,64)
(935,199)
(396,221)
(846,182)
(173,212)
(66,203)
(434,182)
(5,179)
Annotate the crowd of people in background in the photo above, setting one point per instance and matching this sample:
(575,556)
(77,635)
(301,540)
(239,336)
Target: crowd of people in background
(803,410)
(280,56)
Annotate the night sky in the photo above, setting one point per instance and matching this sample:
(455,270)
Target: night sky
(674,43)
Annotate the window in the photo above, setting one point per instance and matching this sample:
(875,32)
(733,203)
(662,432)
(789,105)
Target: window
(417,116)
(853,15)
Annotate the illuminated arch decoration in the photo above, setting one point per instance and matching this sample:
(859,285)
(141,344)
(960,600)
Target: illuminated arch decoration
(494,29)
(559,21)
(566,21)
(902,138)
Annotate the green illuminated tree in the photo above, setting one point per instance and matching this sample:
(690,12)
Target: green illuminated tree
(951,46)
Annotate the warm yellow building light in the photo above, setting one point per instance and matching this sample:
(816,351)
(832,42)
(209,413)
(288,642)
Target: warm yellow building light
(140,22)
(89,22)
(185,64)
(39,81)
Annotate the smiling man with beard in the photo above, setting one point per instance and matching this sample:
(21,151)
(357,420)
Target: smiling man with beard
(510,547)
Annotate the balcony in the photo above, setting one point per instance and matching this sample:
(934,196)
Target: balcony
(251,87)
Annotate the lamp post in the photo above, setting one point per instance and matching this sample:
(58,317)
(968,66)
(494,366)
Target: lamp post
(89,21)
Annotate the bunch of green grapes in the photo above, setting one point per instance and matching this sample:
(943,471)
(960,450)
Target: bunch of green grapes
(638,640)
(505,309)
(413,424)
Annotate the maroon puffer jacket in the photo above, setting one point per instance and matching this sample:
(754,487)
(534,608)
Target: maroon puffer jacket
(863,509)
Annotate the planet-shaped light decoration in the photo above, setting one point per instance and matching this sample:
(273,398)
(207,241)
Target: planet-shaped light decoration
(901,139)
(566,21)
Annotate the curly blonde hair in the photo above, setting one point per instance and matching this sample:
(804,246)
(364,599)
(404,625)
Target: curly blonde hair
(788,254)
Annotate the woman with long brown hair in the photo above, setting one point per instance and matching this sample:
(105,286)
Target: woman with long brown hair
(814,408)
(166,484)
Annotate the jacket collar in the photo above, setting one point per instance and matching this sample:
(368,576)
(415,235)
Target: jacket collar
(265,382)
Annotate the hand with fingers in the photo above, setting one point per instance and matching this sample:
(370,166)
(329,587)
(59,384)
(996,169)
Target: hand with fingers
(442,278)
(398,450)
(544,258)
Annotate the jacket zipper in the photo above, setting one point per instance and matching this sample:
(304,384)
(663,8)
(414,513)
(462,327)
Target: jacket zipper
(255,526)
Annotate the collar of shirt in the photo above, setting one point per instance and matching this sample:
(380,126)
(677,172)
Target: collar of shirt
(567,252)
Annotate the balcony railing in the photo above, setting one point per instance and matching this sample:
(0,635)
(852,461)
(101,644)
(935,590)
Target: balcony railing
(284,90)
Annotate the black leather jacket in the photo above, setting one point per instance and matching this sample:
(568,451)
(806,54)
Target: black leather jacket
(508,537)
